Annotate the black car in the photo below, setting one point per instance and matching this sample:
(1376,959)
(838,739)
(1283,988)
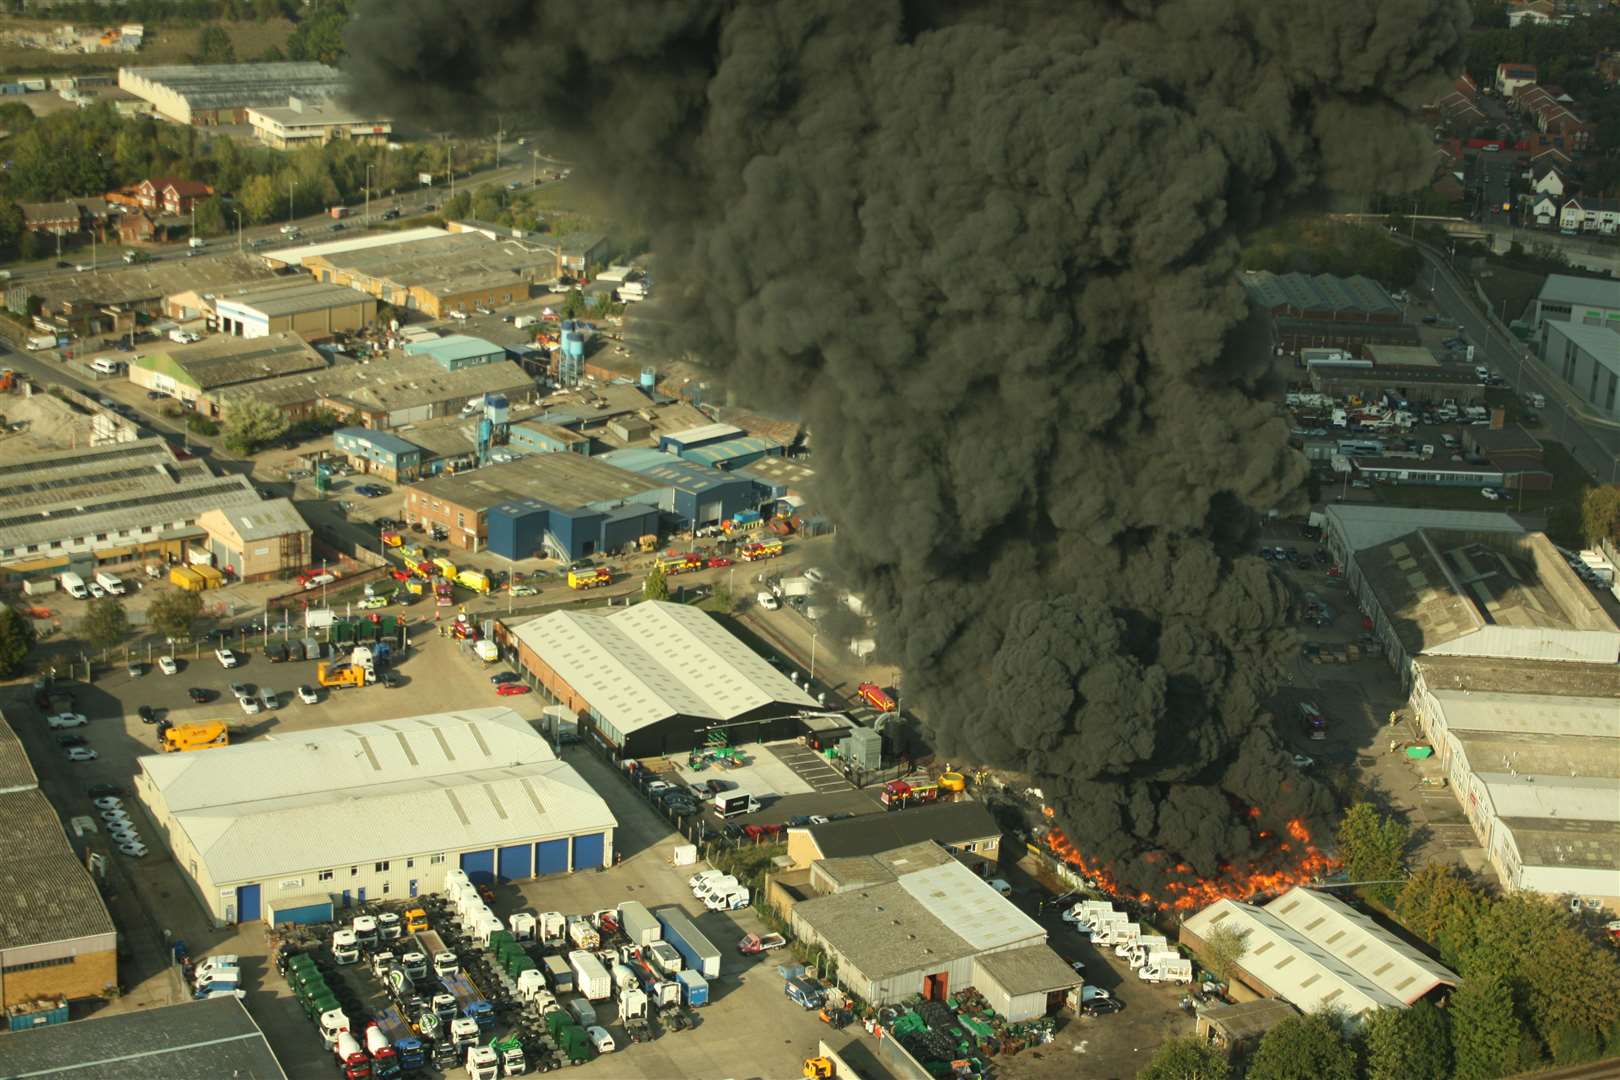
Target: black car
(103,791)
(147,715)
(1101,1007)
(504,677)
(71,740)
(390,214)
(200,695)
(390,680)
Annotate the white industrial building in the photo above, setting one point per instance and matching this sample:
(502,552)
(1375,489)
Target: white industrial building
(1587,358)
(1462,583)
(659,678)
(1314,951)
(1532,753)
(347,814)
(915,920)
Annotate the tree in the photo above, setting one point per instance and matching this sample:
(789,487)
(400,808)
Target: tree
(656,586)
(104,624)
(1187,1058)
(11,225)
(1485,1034)
(251,424)
(258,199)
(211,217)
(173,613)
(1442,907)
(31,247)
(16,642)
(1600,514)
(573,305)
(214,47)
(1305,1048)
(1407,1044)
(1373,848)
(1223,948)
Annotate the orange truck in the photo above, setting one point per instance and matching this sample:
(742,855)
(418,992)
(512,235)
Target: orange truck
(897,794)
(681,562)
(763,549)
(590,577)
(874,695)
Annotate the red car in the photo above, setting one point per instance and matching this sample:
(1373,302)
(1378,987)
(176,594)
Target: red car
(718,562)
(757,832)
(512,689)
(400,575)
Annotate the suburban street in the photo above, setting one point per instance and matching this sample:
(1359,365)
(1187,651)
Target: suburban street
(1593,440)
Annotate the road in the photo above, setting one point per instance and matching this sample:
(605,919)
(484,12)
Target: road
(1593,440)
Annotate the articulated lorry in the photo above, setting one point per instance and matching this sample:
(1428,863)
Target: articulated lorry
(698,952)
(469,1002)
(403,1038)
(443,959)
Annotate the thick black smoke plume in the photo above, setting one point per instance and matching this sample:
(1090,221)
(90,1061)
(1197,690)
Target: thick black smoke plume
(988,252)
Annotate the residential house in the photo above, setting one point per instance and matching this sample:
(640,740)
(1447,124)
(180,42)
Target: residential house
(1547,178)
(170,196)
(1588,213)
(139,227)
(64,218)
(1509,77)
(1545,211)
(1608,67)
(1535,12)
(1460,108)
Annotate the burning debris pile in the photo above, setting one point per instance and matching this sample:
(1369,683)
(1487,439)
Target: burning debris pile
(989,253)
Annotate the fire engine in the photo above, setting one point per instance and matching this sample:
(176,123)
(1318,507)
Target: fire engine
(680,562)
(763,549)
(873,695)
(897,794)
(590,577)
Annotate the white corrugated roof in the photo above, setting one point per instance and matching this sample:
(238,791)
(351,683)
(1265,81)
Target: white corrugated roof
(350,757)
(444,782)
(291,255)
(966,903)
(1389,963)
(1297,970)
(651,661)
(1370,526)
(1565,798)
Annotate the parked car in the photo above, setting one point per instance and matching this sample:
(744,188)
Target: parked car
(307,695)
(167,665)
(601,1041)
(719,562)
(250,705)
(226,658)
(66,720)
(501,677)
(71,740)
(371,491)
(200,695)
(104,791)
(136,669)
(147,714)
(81,753)
(511,689)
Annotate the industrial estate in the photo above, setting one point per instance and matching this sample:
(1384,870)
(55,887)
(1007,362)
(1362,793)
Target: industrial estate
(415,666)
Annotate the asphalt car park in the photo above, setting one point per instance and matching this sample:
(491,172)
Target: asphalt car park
(810,767)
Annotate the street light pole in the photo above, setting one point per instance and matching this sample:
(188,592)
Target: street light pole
(813,655)
(238,214)
(369,167)
(291,183)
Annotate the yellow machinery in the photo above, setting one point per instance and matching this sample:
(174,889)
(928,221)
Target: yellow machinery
(198,736)
(953,781)
(339,676)
(819,1068)
(648,543)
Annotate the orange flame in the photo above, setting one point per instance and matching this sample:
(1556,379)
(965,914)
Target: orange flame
(1185,892)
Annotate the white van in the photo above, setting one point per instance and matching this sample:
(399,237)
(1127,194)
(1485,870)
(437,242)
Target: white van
(106,365)
(183,337)
(73,585)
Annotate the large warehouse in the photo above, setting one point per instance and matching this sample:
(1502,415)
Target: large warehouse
(300,306)
(56,938)
(1532,753)
(287,828)
(914,920)
(223,93)
(657,678)
(1313,951)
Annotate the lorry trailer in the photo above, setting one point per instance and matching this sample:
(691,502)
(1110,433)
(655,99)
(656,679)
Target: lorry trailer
(638,923)
(444,961)
(590,977)
(698,952)
(469,1002)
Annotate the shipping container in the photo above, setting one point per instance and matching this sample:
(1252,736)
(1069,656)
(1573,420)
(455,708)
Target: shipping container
(590,977)
(694,988)
(212,579)
(187,579)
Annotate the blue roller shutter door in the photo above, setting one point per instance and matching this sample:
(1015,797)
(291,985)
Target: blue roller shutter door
(305,915)
(515,862)
(479,866)
(588,851)
(247,903)
(550,857)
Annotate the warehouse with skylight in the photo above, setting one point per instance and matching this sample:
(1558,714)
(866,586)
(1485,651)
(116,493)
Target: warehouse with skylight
(290,828)
(659,678)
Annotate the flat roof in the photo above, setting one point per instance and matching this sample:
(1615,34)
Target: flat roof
(1568,289)
(219,86)
(1319,292)
(704,433)
(46,894)
(197,1040)
(1565,842)
(1518,794)
(1601,343)
(869,834)
(1417,356)
(225,360)
(563,480)
(292,297)
(442,258)
(454,347)
(655,660)
(271,518)
(291,255)
(1491,674)
(478,776)
(1526,713)
(150,282)
(661,470)
(383,440)
(108,489)
(317,113)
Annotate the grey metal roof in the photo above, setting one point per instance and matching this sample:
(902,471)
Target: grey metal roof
(1602,343)
(944,823)
(318,113)
(223,360)
(108,490)
(1594,292)
(1032,969)
(293,297)
(392,382)
(46,895)
(563,480)
(1390,963)
(16,771)
(273,517)
(219,86)
(962,900)
(883,931)
(1366,526)
(199,1040)
(655,660)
